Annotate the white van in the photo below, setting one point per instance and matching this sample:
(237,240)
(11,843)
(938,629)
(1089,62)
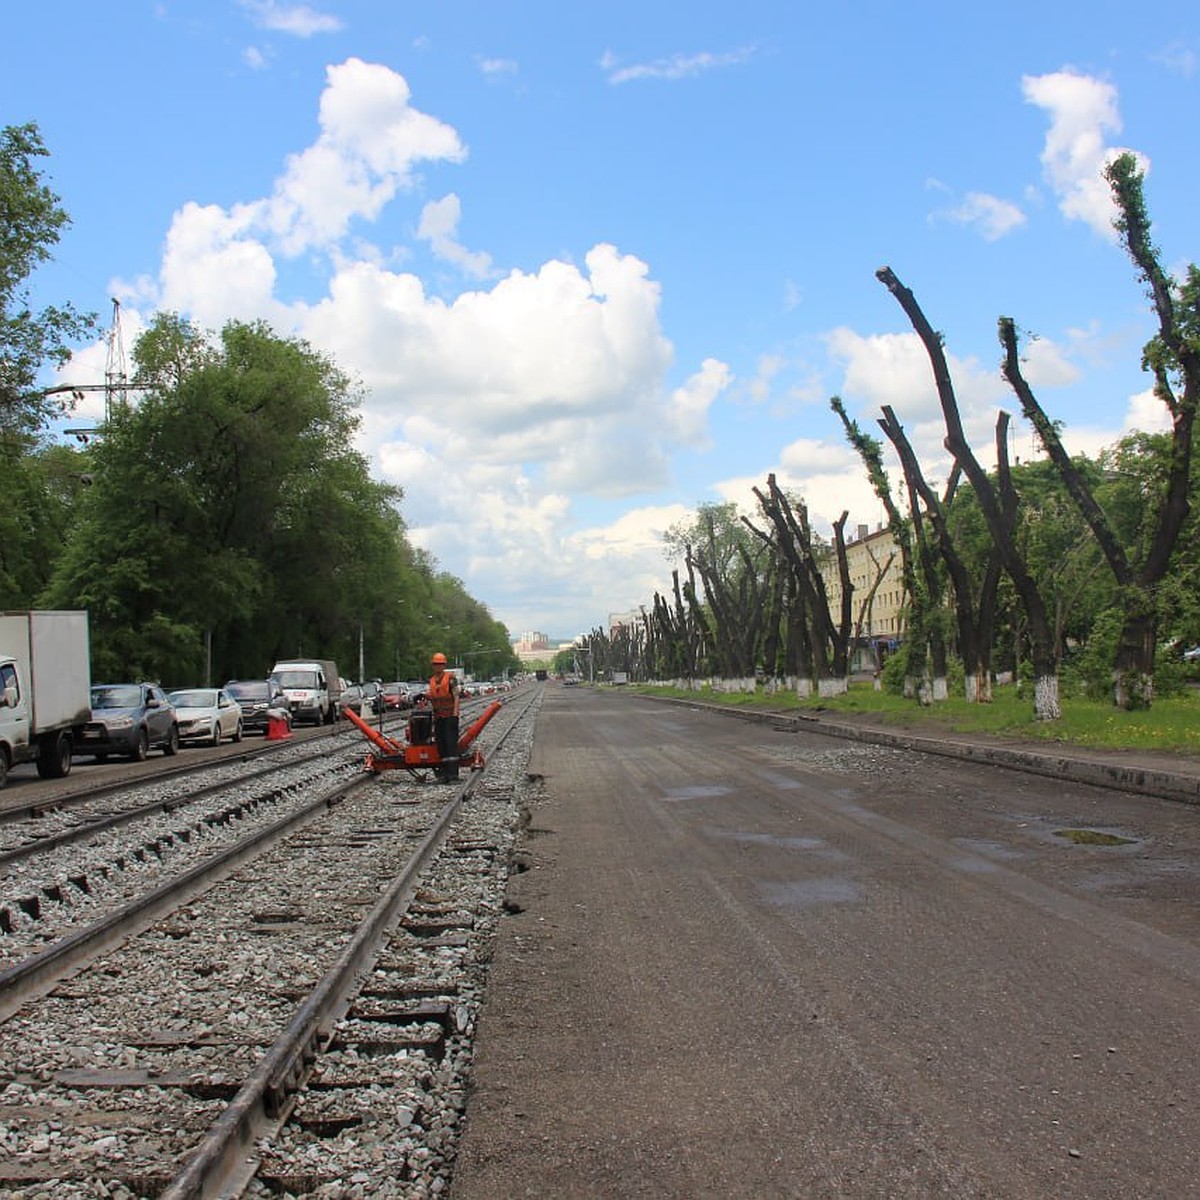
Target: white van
(312,687)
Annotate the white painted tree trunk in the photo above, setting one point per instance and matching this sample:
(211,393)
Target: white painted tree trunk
(941,690)
(1045,698)
(803,688)
(832,687)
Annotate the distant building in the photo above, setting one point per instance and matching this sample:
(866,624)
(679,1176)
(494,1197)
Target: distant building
(874,561)
(625,620)
(533,647)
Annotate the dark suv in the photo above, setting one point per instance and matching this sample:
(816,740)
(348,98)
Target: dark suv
(257,697)
(130,719)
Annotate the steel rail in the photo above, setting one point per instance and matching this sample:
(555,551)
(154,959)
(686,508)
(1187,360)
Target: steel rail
(224,1162)
(35,974)
(86,829)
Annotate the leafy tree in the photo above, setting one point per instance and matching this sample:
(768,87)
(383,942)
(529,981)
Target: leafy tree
(31,221)
(1173,358)
(230,521)
(42,490)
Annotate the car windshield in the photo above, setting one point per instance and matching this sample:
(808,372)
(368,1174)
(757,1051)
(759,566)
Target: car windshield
(248,691)
(296,679)
(124,695)
(195,698)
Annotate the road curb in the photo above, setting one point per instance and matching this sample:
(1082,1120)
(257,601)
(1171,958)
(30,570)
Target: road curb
(1120,776)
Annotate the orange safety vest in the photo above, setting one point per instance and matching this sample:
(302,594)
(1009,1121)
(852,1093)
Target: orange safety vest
(443,694)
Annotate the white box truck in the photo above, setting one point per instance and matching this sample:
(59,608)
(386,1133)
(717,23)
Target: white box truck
(45,689)
(312,687)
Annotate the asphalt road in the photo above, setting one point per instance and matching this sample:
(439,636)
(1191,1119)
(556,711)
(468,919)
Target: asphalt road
(747,962)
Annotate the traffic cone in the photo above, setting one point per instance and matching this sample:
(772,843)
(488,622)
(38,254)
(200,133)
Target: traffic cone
(277,728)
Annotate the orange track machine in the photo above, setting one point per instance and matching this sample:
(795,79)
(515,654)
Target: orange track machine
(418,753)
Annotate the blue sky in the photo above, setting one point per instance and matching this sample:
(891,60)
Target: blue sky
(597,264)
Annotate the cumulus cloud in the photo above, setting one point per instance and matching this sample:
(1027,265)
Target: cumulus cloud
(893,369)
(438,226)
(1083,113)
(506,413)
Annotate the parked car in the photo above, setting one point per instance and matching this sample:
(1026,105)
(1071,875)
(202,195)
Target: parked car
(130,719)
(257,697)
(396,696)
(207,715)
(358,696)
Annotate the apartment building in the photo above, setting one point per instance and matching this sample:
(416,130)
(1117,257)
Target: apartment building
(871,556)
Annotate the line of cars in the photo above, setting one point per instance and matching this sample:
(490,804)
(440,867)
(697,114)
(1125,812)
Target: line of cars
(368,698)
(131,719)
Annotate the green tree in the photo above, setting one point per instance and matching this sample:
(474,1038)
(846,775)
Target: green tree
(1172,356)
(31,221)
(42,490)
(230,520)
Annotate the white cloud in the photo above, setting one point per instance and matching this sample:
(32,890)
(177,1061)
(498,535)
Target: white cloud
(991,216)
(1083,112)
(1147,413)
(497,68)
(254,58)
(438,225)
(690,403)
(488,408)
(676,66)
(1045,365)
(1178,57)
(296,19)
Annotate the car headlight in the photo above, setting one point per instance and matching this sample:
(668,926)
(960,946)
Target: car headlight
(119,723)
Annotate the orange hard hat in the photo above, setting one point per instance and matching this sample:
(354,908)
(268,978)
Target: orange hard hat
(439,658)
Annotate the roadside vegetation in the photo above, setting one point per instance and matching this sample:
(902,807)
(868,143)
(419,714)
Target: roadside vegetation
(1075,576)
(1172,726)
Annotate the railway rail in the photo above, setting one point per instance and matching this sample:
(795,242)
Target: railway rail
(179,1025)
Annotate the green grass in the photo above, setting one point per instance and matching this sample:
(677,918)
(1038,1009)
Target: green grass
(1172,724)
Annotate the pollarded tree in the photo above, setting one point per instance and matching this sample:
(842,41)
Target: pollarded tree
(735,578)
(1173,358)
(998,503)
(903,534)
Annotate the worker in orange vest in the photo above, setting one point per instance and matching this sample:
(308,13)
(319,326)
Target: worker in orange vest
(443,696)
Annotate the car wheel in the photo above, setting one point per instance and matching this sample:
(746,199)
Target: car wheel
(3,768)
(237,732)
(54,758)
(172,746)
(216,734)
(141,747)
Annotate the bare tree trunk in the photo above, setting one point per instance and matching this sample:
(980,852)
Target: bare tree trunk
(1046,704)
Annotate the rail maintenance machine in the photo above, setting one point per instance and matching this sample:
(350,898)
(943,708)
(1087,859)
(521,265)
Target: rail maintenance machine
(418,753)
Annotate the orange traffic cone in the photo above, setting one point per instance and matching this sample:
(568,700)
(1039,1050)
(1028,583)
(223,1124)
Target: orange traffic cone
(277,728)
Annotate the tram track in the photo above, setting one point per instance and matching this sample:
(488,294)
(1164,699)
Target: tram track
(238,988)
(44,883)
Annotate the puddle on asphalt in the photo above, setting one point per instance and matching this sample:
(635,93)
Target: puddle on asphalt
(699,791)
(809,893)
(779,841)
(1093,837)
